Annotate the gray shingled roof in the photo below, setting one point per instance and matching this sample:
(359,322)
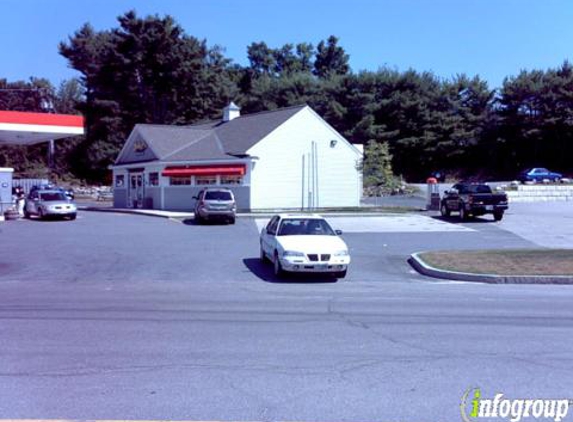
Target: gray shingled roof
(212,140)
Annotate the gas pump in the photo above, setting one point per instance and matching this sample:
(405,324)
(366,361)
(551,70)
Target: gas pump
(5,190)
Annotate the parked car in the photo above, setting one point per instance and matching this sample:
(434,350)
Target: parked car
(303,243)
(539,174)
(215,204)
(50,203)
(473,199)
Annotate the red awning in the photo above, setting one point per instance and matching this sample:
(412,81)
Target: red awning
(222,170)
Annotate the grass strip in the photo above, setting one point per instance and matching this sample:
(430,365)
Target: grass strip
(504,261)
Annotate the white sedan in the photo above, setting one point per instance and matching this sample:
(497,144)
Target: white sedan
(304,243)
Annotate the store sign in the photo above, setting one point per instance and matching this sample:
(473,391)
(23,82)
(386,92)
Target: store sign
(139,146)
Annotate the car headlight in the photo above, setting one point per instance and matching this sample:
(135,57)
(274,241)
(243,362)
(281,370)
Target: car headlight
(343,252)
(292,253)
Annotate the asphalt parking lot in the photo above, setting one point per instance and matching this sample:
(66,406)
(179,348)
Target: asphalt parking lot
(116,316)
(123,248)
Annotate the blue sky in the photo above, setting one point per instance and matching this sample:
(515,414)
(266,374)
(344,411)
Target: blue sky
(490,38)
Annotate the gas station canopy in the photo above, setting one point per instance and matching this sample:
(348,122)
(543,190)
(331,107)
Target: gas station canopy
(23,128)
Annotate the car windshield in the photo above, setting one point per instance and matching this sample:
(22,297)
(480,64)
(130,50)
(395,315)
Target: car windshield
(53,196)
(476,189)
(305,226)
(218,196)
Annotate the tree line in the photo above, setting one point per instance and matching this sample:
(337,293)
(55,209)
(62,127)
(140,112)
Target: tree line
(149,70)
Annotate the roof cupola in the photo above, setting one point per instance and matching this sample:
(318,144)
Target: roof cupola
(231,112)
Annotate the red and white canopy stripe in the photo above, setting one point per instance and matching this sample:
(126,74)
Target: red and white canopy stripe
(24,128)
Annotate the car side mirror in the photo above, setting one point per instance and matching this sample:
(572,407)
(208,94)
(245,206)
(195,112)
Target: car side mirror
(195,197)
(338,232)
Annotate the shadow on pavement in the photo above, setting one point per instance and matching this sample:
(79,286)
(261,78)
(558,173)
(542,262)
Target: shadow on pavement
(49,219)
(264,271)
(454,219)
(193,222)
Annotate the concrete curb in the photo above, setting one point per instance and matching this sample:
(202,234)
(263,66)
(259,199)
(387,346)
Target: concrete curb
(148,213)
(423,268)
(175,214)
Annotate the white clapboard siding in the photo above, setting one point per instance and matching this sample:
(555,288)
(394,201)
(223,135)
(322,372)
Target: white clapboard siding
(277,177)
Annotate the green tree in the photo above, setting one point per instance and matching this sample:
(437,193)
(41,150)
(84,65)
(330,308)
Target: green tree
(262,58)
(535,110)
(69,95)
(147,70)
(331,59)
(305,53)
(377,167)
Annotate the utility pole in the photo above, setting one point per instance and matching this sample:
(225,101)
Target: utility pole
(48,105)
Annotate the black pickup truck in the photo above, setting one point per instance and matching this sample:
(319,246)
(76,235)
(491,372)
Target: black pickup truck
(473,199)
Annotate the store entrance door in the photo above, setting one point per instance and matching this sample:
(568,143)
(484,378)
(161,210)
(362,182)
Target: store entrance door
(135,190)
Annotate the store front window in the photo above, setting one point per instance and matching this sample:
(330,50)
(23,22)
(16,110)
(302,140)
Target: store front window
(205,180)
(179,180)
(231,180)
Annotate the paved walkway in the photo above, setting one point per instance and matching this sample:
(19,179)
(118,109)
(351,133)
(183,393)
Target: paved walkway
(397,223)
(548,224)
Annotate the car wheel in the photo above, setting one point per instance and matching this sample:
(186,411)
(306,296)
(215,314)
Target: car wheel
(198,219)
(279,272)
(444,211)
(232,220)
(463,213)
(498,216)
(73,217)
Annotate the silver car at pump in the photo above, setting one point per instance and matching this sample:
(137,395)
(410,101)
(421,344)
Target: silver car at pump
(50,203)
